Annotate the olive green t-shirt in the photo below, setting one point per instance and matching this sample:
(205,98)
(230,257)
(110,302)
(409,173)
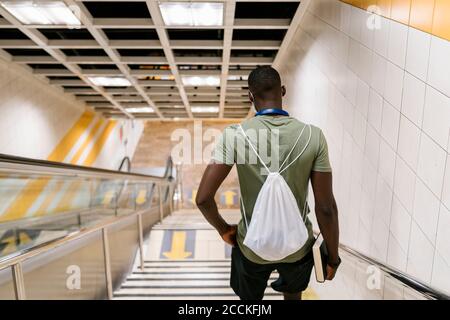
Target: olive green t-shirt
(273,139)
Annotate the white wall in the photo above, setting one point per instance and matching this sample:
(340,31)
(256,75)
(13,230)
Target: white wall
(116,148)
(34,115)
(38,120)
(382,98)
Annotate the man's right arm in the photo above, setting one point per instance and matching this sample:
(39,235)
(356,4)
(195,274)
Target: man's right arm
(327,216)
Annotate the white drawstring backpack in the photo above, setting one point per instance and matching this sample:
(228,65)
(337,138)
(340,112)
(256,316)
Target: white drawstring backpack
(277,228)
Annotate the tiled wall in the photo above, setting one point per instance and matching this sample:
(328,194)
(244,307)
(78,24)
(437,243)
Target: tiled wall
(431,16)
(382,97)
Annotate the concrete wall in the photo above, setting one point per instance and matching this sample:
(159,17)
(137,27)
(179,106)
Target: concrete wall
(382,98)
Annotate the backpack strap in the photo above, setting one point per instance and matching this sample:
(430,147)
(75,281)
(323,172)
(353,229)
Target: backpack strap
(304,213)
(293,147)
(254,149)
(244,214)
(306,145)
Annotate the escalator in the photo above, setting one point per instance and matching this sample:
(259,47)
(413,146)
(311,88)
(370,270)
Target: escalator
(84,233)
(71,232)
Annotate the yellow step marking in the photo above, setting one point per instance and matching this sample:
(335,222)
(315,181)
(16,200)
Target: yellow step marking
(142,196)
(177,250)
(11,246)
(229,198)
(194,194)
(310,294)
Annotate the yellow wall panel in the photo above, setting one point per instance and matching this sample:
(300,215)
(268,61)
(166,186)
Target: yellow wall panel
(358,3)
(87,142)
(431,16)
(68,141)
(422,15)
(385,7)
(400,10)
(98,146)
(352,2)
(441,20)
(367,3)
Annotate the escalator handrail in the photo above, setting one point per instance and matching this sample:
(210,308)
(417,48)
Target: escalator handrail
(406,279)
(125,160)
(64,168)
(25,254)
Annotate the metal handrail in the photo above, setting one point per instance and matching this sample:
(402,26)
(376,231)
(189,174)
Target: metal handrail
(125,160)
(417,285)
(28,253)
(41,167)
(10,163)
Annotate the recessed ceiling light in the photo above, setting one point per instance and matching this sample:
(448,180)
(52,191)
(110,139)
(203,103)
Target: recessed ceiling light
(110,81)
(201,81)
(42,12)
(192,13)
(140,110)
(205,109)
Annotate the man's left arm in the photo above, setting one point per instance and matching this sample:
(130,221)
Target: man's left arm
(213,177)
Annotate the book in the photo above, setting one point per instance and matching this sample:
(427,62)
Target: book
(320,255)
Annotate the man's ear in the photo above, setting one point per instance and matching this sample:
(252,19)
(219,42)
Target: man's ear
(283,91)
(250,96)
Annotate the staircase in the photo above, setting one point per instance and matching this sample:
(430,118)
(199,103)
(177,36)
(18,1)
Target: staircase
(186,260)
(182,280)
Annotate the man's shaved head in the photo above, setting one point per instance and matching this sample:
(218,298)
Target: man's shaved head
(264,82)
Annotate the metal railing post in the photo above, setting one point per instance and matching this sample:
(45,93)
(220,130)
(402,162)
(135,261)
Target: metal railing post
(181,188)
(107,259)
(171,193)
(141,241)
(161,213)
(18,281)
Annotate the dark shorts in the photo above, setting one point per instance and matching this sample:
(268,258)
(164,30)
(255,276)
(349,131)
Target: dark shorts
(249,279)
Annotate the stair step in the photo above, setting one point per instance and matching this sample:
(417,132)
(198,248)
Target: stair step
(171,261)
(189,291)
(188,265)
(199,269)
(190,297)
(184,276)
(170,283)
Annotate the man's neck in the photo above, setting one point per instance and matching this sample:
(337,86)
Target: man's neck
(268,104)
(269,107)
